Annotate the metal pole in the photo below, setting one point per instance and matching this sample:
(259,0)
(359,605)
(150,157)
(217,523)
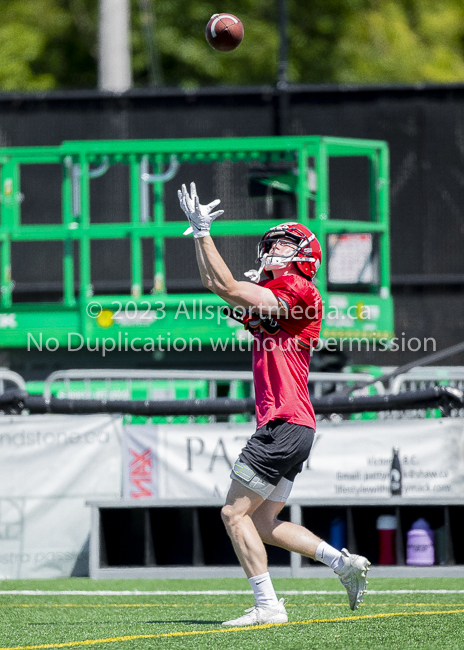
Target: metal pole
(114,65)
(282,82)
(147,18)
(283,44)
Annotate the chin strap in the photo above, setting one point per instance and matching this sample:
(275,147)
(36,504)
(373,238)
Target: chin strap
(254,274)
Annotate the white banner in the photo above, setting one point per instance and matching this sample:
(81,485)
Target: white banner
(50,465)
(353,459)
(140,472)
(348,460)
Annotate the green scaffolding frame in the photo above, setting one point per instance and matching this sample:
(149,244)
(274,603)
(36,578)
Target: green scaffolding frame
(82,160)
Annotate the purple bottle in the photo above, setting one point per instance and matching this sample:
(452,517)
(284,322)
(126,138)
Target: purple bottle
(420,549)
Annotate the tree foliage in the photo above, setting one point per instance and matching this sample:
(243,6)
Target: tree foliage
(51,44)
(25,31)
(410,41)
(188,60)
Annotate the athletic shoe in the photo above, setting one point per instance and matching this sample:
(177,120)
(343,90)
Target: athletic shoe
(261,615)
(353,577)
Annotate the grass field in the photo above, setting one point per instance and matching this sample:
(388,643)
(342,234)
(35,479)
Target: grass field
(398,613)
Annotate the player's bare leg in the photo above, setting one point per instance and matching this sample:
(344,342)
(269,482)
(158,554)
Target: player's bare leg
(285,534)
(351,569)
(237,517)
(249,548)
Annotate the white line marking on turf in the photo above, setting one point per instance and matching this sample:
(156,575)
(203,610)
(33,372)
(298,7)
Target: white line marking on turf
(223,592)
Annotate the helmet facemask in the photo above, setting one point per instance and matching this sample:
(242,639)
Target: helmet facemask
(295,244)
(298,251)
(277,252)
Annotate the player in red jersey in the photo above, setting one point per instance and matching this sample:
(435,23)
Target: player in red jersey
(284,313)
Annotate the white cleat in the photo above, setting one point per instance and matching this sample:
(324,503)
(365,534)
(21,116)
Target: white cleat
(261,615)
(353,577)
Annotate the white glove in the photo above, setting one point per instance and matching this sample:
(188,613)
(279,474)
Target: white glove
(199,216)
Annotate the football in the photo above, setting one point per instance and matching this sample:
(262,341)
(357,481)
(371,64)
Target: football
(224,32)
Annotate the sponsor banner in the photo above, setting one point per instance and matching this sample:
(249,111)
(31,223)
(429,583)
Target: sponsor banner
(140,461)
(50,465)
(353,459)
(349,460)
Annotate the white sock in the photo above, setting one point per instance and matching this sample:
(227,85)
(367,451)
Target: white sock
(263,590)
(329,555)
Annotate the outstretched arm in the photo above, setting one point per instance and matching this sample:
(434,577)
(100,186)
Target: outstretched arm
(216,276)
(215,273)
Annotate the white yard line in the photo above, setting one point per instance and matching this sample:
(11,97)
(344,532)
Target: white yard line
(223,592)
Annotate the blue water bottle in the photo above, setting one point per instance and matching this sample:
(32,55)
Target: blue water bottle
(338,533)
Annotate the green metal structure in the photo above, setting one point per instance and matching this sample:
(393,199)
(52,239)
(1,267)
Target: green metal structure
(359,305)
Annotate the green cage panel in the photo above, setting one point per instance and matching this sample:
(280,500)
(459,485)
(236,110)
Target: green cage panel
(116,211)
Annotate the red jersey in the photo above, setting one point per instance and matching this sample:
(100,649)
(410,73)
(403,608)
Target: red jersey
(281,360)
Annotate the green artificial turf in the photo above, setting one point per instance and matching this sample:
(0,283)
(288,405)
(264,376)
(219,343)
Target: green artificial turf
(384,621)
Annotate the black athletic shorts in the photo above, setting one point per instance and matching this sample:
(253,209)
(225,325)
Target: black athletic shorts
(278,449)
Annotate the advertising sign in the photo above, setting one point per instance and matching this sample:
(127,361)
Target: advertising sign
(348,460)
(50,465)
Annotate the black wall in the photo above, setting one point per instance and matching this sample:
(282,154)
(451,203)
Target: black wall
(424,127)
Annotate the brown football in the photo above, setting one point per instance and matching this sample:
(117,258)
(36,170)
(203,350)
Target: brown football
(224,32)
